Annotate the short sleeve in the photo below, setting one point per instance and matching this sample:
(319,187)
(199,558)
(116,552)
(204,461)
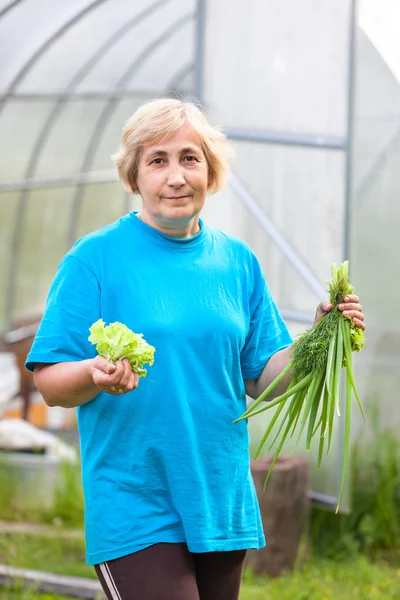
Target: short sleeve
(267,332)
(72,306)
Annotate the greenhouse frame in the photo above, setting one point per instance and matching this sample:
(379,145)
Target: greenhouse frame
(313,116)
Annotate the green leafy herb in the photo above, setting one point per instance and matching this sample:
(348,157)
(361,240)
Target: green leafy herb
(116,341)
(317,358)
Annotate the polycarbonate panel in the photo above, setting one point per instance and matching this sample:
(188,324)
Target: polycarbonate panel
(280,65)
(108,73)
(101,204)
(375,252)
(43,243)
(381,21)
(66,143)
(9,205)
(25,29)
(225,211)
(302,192)
(20,125)
(378,102)
(81,43)
(375,221)
(109,140)
(167,61)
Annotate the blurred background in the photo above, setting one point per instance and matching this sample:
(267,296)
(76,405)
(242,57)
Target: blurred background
(308,94)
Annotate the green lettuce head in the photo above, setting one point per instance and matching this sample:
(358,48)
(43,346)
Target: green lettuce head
(116,341)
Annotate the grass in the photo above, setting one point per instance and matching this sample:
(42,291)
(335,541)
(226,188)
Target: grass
(373,525)
(320,579)
(19,593)
(67,508)
(57,555)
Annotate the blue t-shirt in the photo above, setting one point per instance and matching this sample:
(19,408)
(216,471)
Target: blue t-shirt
(165,463)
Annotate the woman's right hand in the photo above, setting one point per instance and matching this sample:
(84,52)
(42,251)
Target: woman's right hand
(113,378)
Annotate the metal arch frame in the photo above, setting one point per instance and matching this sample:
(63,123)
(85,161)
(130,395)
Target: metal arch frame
(20,211)
(344,144)
(108,111)
(46,44)
(327,142)
(51,119)
(83,95)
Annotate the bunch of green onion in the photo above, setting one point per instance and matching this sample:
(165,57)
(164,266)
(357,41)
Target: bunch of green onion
(313,394)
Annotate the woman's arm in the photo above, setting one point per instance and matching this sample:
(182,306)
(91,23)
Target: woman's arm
(71,384)
(277,362)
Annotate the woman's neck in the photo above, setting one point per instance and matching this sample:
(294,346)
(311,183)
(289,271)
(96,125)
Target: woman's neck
(172,229)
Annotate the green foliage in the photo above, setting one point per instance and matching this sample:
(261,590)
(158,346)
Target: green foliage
(310,351)
(324,579)
(7,495)
(57,552)
(67,507)
(319,579)
(373,526)
(313,394)
(68,497)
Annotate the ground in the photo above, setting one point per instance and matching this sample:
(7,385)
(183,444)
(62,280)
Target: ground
(353,579)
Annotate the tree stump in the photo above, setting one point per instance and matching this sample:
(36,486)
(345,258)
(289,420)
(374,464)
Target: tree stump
(284,509)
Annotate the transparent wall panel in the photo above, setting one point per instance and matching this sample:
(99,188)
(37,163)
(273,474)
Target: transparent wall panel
(116,65)
(45,232)
(68,136)
(377,109)
(20,125)
(43,243)
(226,212)
(290,63)
(301,191)
(8,207)
(108,138)
(101,204)
(81,43)
(375,251)
(167,60)
(25,28)
(375,221)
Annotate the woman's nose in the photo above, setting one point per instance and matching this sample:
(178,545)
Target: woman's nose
(175,176)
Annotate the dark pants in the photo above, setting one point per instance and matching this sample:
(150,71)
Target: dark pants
(171,572)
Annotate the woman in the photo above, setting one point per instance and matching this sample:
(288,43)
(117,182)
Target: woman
(170,507)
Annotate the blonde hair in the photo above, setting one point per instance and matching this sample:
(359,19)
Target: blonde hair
(157,120)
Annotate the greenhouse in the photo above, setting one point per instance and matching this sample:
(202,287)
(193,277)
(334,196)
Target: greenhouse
(313,117)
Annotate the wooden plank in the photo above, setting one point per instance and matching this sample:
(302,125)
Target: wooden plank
(77,587)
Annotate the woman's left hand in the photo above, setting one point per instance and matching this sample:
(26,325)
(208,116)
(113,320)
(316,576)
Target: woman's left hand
(350,307)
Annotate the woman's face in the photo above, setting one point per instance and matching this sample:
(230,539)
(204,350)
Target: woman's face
(172,180)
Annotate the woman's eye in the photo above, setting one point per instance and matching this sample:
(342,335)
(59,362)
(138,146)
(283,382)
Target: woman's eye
(190,158)
(157,161)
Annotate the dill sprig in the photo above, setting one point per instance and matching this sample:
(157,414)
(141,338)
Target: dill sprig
(313,395)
